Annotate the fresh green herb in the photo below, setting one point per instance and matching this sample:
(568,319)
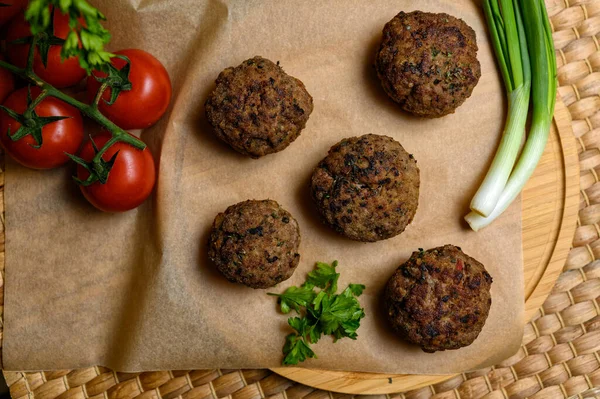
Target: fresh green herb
(320,313)
(357,289)
(85,40)
(296,297)
(522,40)
(324,276)
(297,349)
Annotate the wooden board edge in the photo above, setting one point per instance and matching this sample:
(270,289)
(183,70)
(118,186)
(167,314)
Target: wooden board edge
(570,211)
(357,384)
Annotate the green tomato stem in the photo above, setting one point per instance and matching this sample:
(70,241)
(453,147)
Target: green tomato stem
(16,70)
(35,103)
(31,54)
(99,95)
(101,152)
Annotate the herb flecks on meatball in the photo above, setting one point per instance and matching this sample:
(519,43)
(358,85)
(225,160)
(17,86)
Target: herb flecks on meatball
(257,108)
(428,63)
(367,188)
(255,243)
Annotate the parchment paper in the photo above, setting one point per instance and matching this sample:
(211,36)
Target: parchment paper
(136,291)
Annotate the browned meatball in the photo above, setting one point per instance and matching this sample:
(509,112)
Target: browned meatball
(257,108)
(255,243)
(428,62)
(367,188)
(439,299)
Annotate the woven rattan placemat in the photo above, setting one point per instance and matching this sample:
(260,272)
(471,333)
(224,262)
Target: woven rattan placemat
(560,354)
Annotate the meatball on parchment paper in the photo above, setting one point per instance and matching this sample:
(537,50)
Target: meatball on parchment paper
(138,291)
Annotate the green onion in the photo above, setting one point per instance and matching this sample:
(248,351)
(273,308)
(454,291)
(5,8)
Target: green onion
(510,46)
(534,32)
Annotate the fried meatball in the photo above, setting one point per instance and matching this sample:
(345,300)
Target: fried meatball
(367,188)
(439,299)
(255,243)
(428,62)
(257,108)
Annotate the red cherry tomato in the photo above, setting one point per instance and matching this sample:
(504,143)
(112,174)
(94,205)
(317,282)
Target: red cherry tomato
(129,182)
(148,99)
(58,137)
(58,73)
(11,8)
(7,82)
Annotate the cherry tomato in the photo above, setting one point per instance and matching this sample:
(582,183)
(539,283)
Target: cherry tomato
(58,73)
(130,181)
(7,82)
(58,137)
(148,99)
(10,9)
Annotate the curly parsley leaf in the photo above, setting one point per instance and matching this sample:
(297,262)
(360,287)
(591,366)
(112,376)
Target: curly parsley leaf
(295,297)
(320,313)
(87,36)
(324,276)
(357,289)
(340,314)
(296,350)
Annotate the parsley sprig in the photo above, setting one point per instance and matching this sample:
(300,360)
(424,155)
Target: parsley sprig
(87,36)
(319,313)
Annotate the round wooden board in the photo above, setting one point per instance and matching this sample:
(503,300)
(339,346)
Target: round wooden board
(550,206)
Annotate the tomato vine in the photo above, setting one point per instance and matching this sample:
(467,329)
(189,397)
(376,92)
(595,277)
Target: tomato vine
(85,40)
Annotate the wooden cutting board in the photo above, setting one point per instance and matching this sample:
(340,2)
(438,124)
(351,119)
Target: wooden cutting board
(550,207)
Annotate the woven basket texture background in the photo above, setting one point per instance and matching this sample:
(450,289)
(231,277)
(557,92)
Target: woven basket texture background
(560,353)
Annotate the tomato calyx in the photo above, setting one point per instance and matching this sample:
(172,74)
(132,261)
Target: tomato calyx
(116,79)
(43,40)
(31,123)
(98,168)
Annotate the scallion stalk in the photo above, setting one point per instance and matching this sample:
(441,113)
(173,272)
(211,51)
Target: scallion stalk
(510,46)
(536,26)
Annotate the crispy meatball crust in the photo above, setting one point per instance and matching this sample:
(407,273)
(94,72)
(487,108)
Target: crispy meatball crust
(367,188)
(428,62)
(439,299)
(255,243)
(257,108)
